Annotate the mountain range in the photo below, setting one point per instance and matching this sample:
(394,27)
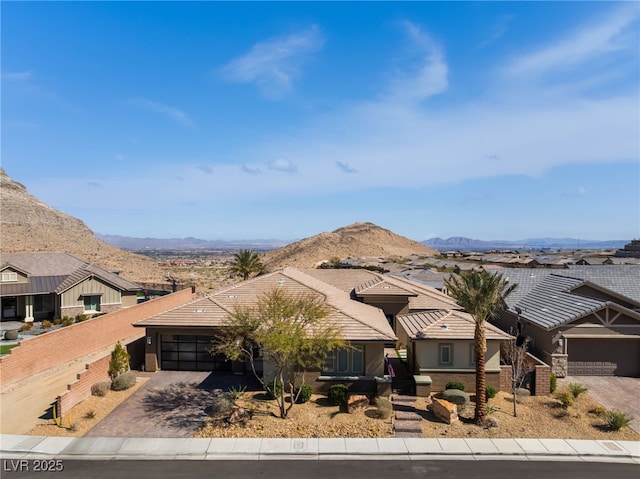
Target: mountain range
(468,244)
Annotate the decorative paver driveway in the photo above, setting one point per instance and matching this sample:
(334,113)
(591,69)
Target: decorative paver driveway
(622,394)
(169,404)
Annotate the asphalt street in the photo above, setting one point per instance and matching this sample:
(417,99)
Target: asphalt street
(311,469)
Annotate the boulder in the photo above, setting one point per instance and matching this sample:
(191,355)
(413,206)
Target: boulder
(238,415)
(357,401)
(444,410)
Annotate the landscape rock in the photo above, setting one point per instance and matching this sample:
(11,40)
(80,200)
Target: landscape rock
(357,402)
(238,415)
(444,410)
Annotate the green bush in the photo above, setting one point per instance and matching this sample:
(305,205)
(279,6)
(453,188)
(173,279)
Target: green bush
(123,381)
(100,389)
(57,322)
(221,406)
(553,383)
(616,420)
(236,393)
(81,317)
(26,327)
(456,396)
(566,398)
(67,322)
(303,394)
(491,392)
(338,394)
(455,385)
(46,324)
(576,389)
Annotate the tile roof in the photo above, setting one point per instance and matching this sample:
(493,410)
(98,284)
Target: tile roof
(546,298)
(357,321)
(445,324)
(363,283)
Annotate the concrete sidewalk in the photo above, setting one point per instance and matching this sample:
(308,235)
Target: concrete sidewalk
(39,447)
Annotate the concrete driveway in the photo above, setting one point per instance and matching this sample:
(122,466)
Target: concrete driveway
(622,394)
(169,404)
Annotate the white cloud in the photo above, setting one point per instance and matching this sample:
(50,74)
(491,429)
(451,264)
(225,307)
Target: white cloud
(251,171)
(429,77)
(206,169)
(498,30)
(17,76)
(158,107)
(283,165)
(584,44)
(273,64)
(579,192)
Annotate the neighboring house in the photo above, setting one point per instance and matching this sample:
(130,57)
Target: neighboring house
(180,339)
(440,345)
(48,285)
(584,320)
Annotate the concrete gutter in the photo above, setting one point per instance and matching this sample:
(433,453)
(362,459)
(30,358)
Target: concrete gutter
(122,448)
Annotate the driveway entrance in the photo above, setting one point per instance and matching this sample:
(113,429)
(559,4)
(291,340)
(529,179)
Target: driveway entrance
(620,393)
(169,404)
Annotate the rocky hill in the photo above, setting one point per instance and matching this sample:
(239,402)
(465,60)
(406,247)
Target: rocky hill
(359,240)
(27,224)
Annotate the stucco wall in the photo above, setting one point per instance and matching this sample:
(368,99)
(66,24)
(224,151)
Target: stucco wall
(427,355)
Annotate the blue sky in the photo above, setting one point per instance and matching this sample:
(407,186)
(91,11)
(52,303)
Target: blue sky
(242,120)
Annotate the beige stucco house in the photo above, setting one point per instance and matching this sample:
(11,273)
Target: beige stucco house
(181,339)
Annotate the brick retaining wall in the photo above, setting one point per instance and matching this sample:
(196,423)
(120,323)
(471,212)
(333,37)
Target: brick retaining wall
(64,345)
(81,389)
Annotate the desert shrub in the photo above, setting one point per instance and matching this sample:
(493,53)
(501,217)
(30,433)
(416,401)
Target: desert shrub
(456,396)
(274,389)
(616,420)
(236,393)
(490,409)
(46,324)
(100,389)
(26,327)
(553,383)
(455,385)
(119,362)
(57,322)
(576,389)
(221,406)
(303,394)
(67,322)
(383,409)
(566,399)
(491,392)
(81,317)
(123,381)
(597,411)
(338,394)
(90,414)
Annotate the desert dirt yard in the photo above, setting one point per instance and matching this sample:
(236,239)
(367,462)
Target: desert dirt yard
(538,417)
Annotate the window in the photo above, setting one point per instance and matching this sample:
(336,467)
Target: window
(472,355)
(445,354)
(91,303)
(9,276)
(345,361)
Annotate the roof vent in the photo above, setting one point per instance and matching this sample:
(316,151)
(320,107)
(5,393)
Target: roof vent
(281,281)
(231,296)
(445,326)
(199,310)
(386,287)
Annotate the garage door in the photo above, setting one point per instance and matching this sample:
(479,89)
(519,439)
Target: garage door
(182,352)
(604,357)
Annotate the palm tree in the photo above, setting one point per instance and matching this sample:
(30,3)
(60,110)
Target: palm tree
(482,295)
(246,262)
